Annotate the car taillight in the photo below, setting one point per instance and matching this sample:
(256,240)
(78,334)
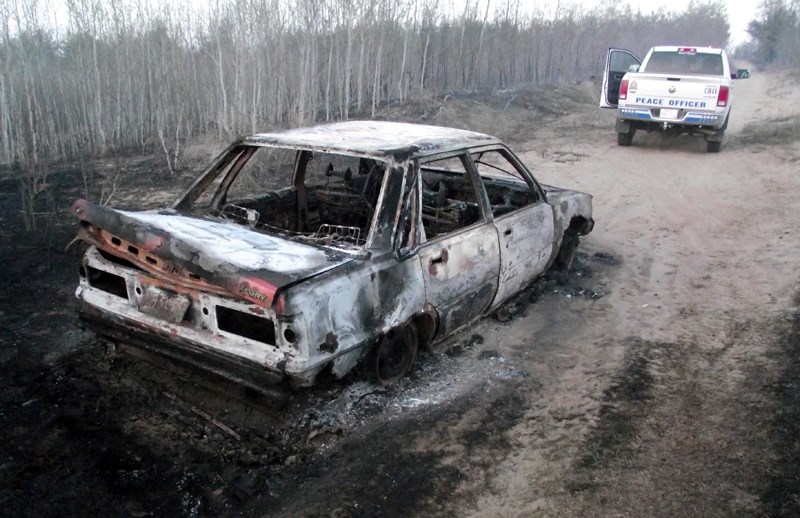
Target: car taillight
(623,89)
(722,98)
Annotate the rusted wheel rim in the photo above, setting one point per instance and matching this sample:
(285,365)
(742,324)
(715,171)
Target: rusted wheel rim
(395,354)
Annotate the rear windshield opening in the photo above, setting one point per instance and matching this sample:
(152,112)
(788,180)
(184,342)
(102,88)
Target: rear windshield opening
(698,64)
(326,198)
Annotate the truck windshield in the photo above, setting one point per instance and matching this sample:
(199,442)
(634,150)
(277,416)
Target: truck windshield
(693,64)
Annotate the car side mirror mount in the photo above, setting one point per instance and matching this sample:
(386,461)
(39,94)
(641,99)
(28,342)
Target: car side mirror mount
(405,252)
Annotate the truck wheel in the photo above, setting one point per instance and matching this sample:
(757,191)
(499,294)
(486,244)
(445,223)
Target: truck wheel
(393,356)
(713,146)
(625,139)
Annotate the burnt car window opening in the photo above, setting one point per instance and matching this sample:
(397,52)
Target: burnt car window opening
(449,199)
(206,198)
(324,197)
(506,186)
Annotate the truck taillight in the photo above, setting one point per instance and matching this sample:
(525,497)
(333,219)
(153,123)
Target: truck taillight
(722,98)
(623,89)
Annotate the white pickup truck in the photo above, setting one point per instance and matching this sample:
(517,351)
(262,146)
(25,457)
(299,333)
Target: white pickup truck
(674,90)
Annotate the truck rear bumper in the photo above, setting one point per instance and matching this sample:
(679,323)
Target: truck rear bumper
(628,125)
(642,118)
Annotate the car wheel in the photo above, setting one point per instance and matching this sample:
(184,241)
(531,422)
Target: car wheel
(394,355)
(713,147)
(625,139)
(566,254)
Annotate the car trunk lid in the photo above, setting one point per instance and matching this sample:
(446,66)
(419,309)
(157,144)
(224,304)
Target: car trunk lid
(201,251)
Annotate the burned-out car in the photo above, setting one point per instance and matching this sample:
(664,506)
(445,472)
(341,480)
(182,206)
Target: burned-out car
(316,249)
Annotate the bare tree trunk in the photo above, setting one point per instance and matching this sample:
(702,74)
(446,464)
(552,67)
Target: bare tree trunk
(376,83)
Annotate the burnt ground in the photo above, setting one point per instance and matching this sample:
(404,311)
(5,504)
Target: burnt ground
(88,428)
(92,430)
(659,379)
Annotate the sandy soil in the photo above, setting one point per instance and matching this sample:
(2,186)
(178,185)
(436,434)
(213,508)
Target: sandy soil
(708,250)
(659,380)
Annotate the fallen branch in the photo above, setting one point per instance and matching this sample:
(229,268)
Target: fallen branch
(206,416)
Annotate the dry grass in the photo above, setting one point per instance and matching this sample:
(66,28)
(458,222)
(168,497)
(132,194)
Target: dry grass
(776,132)
(512,115)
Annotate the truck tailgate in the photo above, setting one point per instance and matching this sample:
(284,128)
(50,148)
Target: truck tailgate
(696,93)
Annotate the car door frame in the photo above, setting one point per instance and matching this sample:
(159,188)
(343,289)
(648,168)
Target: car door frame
(613,78)
(525,235)
(460,270)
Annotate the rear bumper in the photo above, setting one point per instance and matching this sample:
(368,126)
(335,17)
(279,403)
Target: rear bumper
(644,118)
(183,351)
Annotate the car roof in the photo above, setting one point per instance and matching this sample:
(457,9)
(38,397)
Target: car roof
(397,141)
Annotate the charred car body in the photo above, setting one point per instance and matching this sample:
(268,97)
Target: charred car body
(323,247)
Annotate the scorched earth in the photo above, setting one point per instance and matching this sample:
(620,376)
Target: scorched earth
(660,379)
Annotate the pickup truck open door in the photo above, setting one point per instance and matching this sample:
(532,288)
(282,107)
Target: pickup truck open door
(618,62)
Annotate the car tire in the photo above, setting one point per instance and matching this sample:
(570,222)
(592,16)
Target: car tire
(713,146)
(393,356)
(566,254)
(625,139)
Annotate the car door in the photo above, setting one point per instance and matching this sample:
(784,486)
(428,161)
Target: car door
(459,253)
(522,217)
(618,63)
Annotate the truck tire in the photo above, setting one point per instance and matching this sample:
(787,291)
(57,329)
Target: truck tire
(714,142)
(625,139)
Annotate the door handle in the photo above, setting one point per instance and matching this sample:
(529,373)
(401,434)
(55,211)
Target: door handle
(437,260)
(508,232)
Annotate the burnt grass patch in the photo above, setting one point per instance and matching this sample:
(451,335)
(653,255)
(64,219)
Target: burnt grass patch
(501,415)
(625,402)
(782,495)
(572,284)
(66,450)
(377,474)
(390,468)
(84,433)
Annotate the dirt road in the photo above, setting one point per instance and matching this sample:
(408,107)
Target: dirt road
(662,401)
(660,380)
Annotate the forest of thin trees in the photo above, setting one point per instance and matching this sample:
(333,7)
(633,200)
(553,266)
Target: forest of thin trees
(774,34)
(101,76)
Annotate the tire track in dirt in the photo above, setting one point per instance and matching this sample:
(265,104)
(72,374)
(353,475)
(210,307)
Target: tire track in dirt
(677,360)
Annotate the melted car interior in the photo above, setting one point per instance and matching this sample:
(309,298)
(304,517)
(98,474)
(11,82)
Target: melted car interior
(450,201)
(317,196)
(332,198)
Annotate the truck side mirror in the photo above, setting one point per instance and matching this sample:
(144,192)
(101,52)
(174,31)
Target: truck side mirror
(633,68)
(741,73)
